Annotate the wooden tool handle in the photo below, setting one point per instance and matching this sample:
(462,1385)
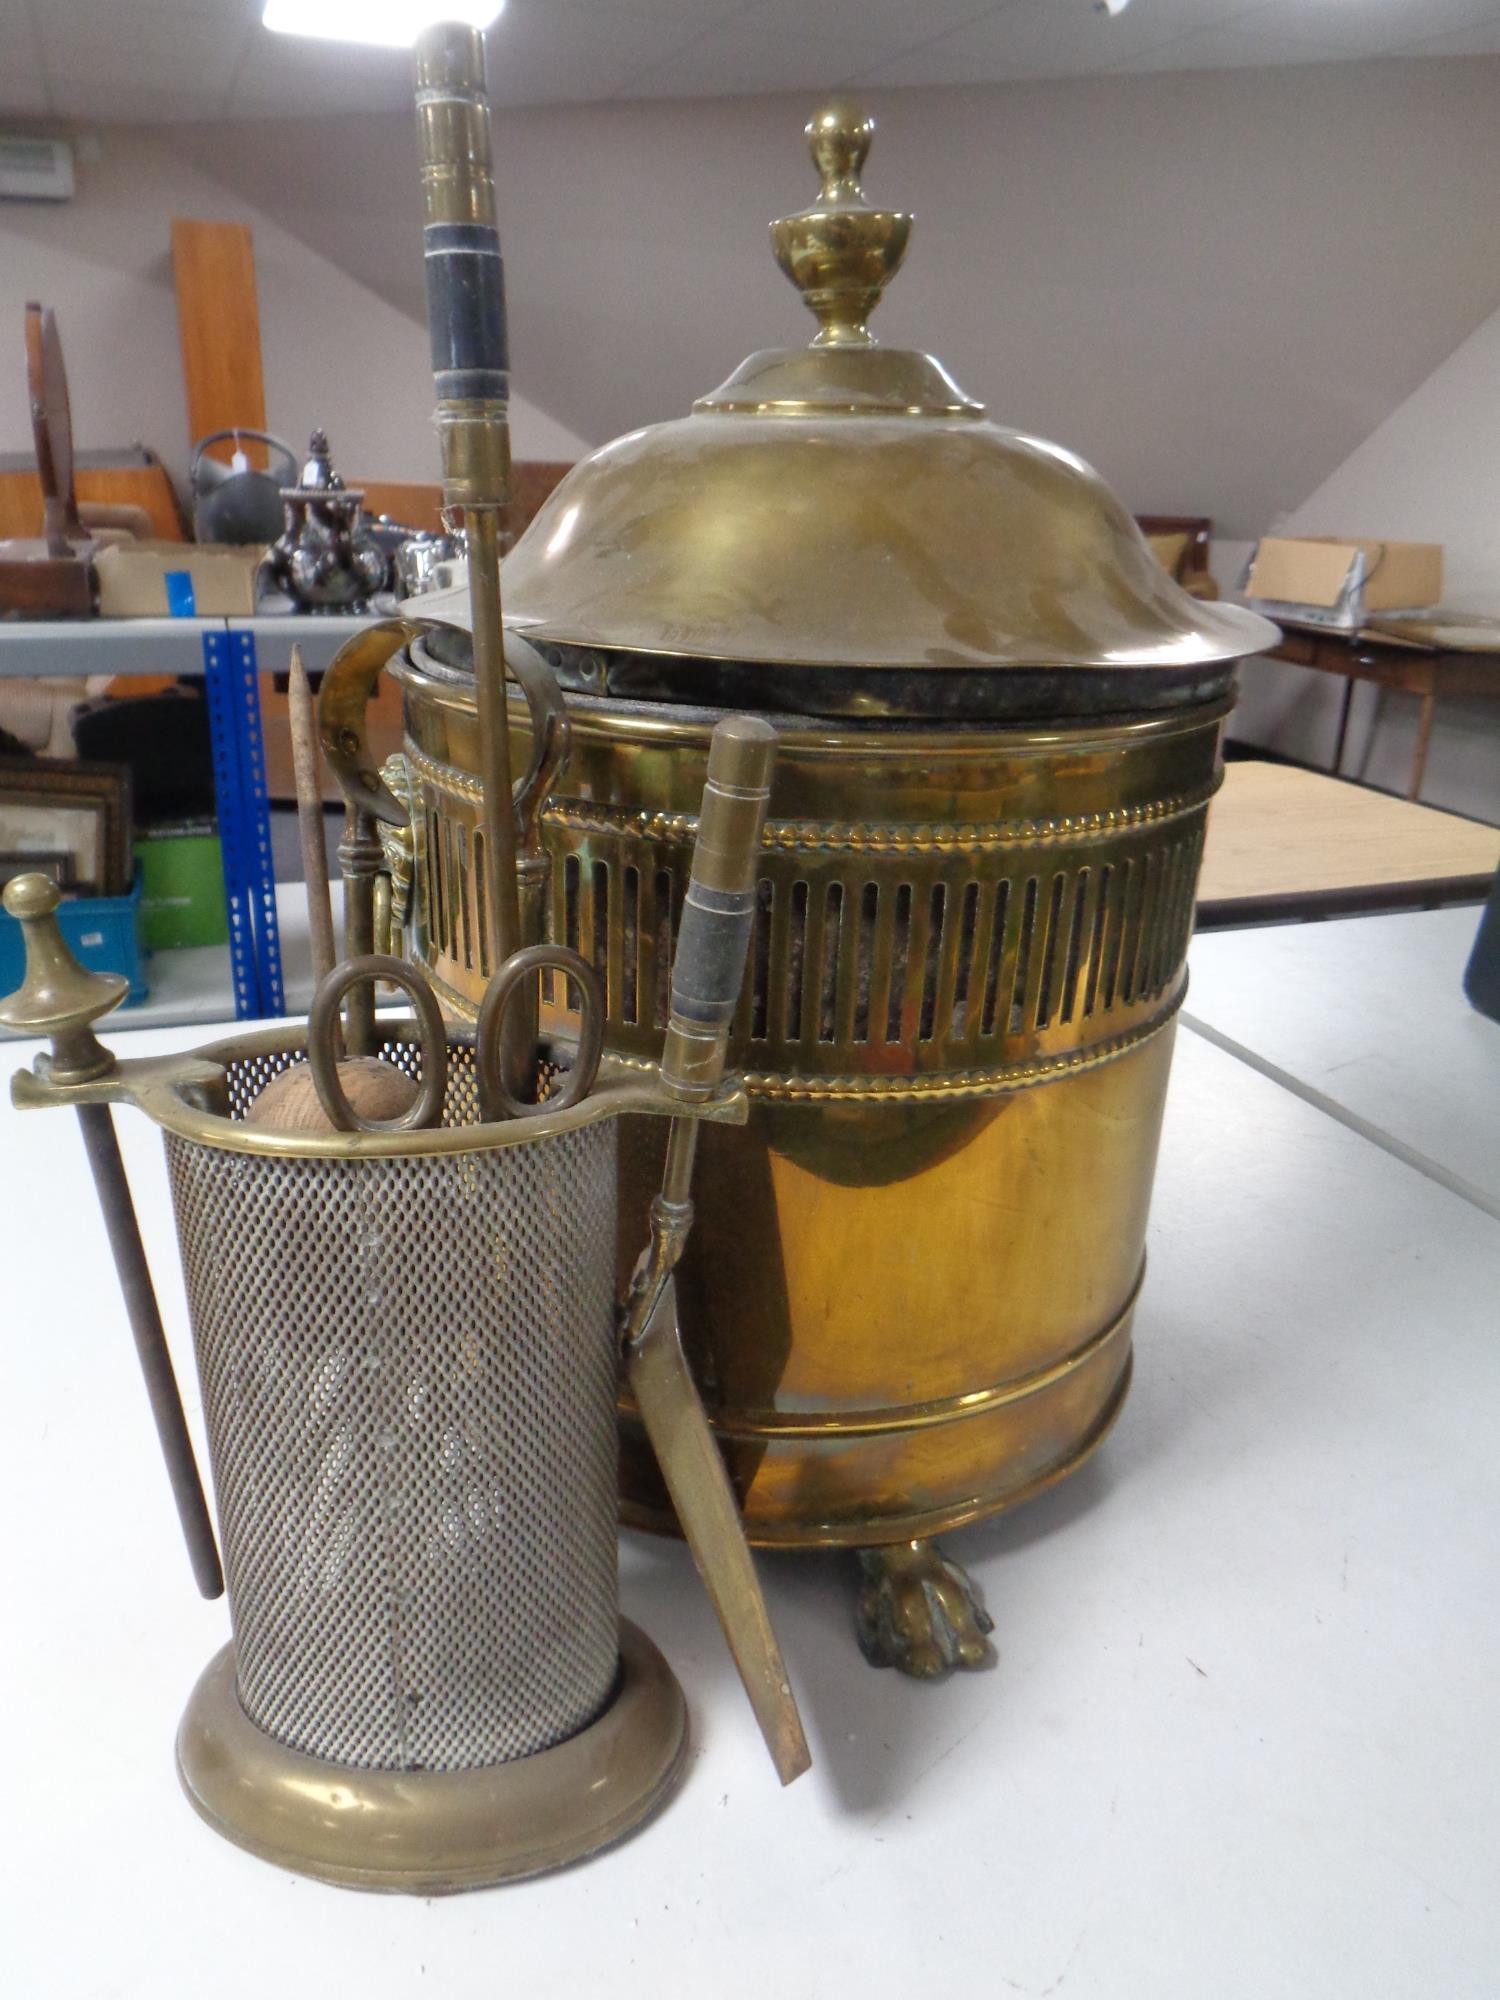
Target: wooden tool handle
(51,429)
(309,791)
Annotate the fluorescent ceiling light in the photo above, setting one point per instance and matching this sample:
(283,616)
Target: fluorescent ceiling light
(386,24)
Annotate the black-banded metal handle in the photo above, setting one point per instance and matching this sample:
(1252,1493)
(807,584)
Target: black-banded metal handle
(718,912)
(471,374)
(461,244)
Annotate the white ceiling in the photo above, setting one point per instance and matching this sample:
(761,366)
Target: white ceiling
(144,61)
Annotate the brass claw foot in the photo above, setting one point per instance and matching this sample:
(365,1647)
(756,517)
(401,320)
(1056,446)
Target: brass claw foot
(920,1612)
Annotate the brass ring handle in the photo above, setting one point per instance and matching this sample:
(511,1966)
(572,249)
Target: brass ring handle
(495,1100)
(323,1038)
(550,732)
(349,682)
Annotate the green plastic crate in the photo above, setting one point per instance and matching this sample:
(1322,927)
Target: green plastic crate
(182,886)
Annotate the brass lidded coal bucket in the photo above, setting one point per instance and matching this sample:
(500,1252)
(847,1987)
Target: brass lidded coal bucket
(910,1293)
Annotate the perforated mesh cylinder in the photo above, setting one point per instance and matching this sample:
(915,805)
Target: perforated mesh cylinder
(408,1373)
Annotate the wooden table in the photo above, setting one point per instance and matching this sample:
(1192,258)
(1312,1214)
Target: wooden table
(1458,659)
(1286,843)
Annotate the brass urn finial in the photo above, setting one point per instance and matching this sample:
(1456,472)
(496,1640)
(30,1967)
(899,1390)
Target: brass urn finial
(841,253)
(58,997)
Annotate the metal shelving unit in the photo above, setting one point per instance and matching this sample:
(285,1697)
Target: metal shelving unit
(229,654)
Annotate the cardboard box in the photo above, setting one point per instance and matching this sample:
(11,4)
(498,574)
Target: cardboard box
(177,580)
(1319,580)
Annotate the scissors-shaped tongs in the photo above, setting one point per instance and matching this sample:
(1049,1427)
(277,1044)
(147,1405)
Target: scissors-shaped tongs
(511,986)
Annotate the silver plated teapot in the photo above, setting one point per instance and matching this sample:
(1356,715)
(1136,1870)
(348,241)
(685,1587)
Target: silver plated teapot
(326,559)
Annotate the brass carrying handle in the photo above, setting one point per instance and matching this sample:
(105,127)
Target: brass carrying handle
(349,685)
(349,682)
(323,1044)
(495,1100)
(550,732)
(551,728)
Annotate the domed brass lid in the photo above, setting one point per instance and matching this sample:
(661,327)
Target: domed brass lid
(846,504)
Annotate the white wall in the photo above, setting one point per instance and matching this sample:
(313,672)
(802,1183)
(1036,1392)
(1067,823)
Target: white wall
(334,352)
(1260,295)
(1430,472)
(1217,287)
(1214,286)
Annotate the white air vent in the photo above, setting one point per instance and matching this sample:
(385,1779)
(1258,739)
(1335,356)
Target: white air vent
(35,169)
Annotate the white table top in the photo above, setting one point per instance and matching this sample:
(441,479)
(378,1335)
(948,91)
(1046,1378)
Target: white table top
(1280,837)
(1369,1014)
(1235,1745)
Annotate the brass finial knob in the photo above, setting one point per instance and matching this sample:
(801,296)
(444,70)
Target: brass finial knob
(841,253)
(838,137)
(57,997)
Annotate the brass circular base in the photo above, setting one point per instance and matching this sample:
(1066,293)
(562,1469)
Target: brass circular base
(431,1832)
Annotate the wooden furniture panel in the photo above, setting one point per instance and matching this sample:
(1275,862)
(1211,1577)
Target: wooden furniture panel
(411,502)
(1284,842)
(382,729)
(418,505)
(1191,569)
(218,318)
(143,486)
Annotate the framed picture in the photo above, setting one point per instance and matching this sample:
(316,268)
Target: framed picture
(56,866)
(70,819)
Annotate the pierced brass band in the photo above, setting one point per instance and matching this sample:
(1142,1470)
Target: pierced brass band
(927,955)
(943,1225)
